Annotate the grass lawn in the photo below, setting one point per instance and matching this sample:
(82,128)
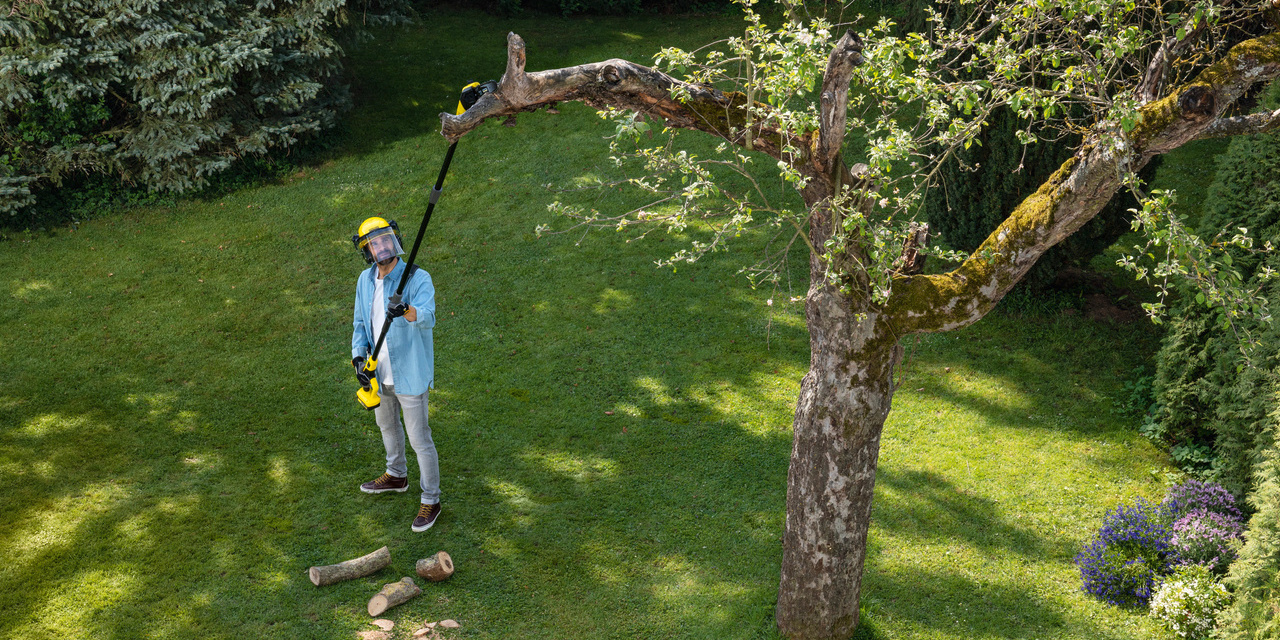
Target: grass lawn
(180,441)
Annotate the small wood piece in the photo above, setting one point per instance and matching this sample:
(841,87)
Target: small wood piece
(436,568)
(351,569)
(393,594)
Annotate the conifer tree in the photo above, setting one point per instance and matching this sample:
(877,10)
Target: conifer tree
(1209,408)
(1255,575)
(163,93)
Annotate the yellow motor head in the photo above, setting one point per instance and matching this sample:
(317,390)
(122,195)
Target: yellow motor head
(472,93)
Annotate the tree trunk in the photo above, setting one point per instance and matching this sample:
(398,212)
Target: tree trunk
(844,400)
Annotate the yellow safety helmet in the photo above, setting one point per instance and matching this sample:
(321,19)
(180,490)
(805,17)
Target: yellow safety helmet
(378,240)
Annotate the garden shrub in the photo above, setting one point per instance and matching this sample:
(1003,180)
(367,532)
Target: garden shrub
(1255,575)
(1197,495)
(1188,601)
(1120,565)
(1208,409)
(1206,538)
(166,94)
(1197,523)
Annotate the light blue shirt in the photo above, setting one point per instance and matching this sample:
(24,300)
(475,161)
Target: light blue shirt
(412,353)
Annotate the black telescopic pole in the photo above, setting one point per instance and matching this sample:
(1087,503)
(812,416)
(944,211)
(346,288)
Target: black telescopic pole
(431,205)
(404,277)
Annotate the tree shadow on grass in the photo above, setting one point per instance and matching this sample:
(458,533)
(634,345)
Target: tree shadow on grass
(925,505)
(943,592)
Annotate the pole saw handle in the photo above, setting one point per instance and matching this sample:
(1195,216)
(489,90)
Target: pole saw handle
(367,394)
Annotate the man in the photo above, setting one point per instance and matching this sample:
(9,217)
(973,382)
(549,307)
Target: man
(405,363)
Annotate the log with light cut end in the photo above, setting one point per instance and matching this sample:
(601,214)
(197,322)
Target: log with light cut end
(394,594)
(436,568)
(351,569)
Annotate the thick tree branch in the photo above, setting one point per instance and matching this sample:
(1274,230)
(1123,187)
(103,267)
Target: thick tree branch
(1242,125)
(626,85)
(1075,194)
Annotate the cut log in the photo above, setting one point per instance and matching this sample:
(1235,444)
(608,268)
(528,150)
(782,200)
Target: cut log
(351,569)
(394,594)
(436,568)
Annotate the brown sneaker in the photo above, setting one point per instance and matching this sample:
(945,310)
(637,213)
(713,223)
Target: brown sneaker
(426,517)
(385,482)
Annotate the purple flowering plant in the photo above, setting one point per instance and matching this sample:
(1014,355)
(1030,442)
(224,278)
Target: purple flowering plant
(1120,565)
(1197,495)
(1207,538)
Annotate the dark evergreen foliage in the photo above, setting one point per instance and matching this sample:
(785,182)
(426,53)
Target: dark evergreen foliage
(164,94)
(1255,575)
(1210,411)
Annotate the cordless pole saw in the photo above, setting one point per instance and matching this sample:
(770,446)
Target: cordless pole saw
(367,395)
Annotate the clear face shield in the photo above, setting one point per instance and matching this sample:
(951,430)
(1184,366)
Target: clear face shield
(381,245)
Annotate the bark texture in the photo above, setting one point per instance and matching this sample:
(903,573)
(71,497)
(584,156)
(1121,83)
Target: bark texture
(846,395)
(393,595)
(844,400)
(351,569)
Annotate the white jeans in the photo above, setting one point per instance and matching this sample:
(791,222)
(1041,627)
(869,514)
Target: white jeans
(415,423)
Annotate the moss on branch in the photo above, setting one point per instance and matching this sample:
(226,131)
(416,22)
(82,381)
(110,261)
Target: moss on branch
(942,302)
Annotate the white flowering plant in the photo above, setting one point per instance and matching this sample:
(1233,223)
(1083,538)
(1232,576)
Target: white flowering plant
(1189,600)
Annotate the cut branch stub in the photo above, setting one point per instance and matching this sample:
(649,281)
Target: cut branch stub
(913,256)
(394,594)
(1197,102)
(435,568)
(350,569)
(835,100)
